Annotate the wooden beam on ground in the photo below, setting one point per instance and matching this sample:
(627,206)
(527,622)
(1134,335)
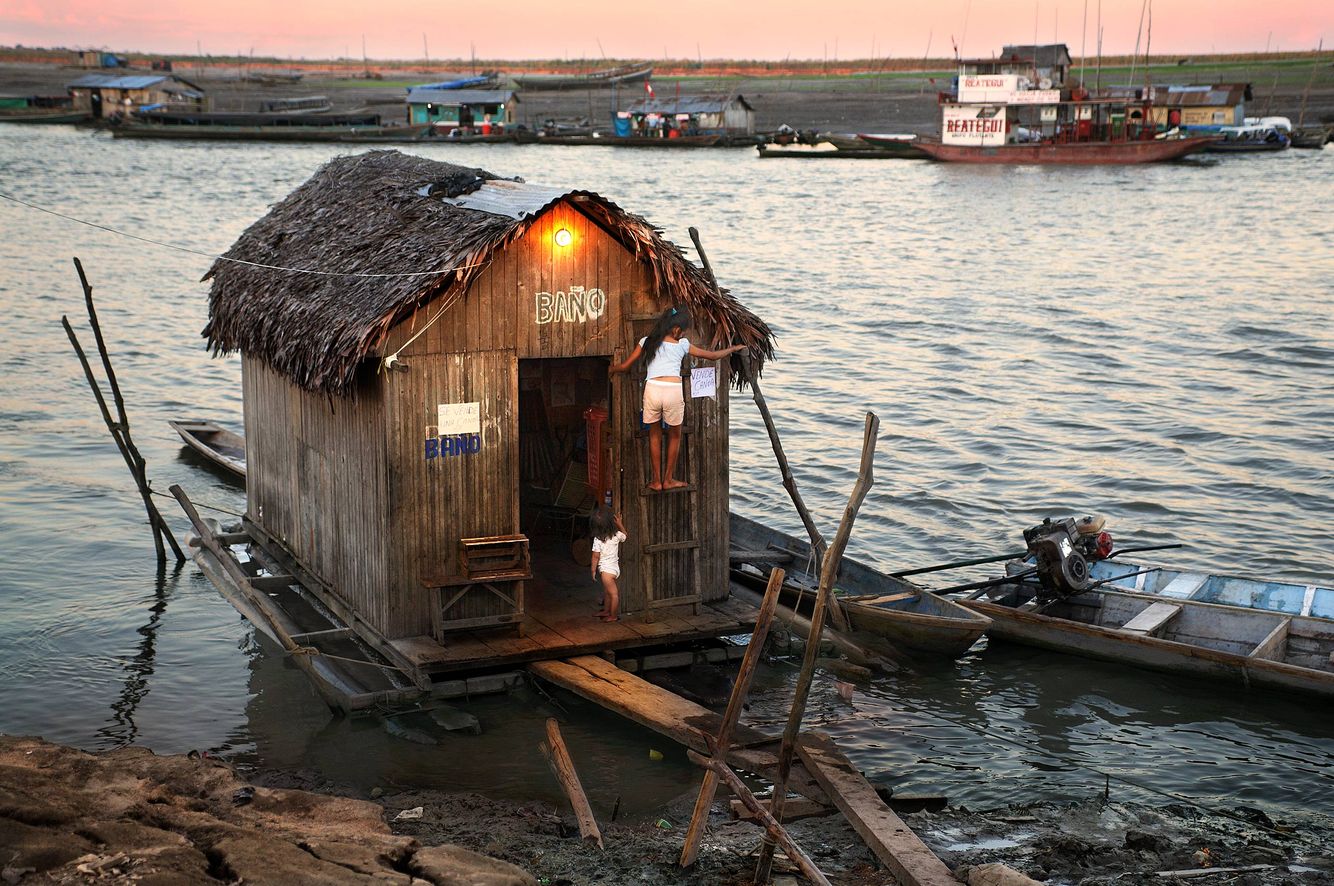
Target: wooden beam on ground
(828,575)
(666,713)
(723,738)
(897,847)
(795,809)
(562,766)
(771,825)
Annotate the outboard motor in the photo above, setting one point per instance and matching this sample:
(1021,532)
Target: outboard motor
(1062,550)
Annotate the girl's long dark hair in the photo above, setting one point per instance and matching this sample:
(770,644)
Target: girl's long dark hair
(670,318)
(602,523)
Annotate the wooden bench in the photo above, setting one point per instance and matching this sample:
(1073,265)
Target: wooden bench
(496,565)
(1152,619)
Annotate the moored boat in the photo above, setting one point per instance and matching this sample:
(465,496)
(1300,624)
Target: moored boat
(1247,646)
(623,74)
(223,448)
(1249,139)
(899,612)
(1312,137)
(275,132)
(39,109)
(1288,598)
(1072,153)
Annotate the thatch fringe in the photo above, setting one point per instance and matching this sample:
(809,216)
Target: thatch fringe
(365,215)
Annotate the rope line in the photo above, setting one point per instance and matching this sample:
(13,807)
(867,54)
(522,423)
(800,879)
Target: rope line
(238,261)
(199,505)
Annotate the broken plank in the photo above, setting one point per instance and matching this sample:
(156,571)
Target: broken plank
(902,851)
(795,809)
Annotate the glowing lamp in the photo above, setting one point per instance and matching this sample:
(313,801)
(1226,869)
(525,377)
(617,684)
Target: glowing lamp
(563,237)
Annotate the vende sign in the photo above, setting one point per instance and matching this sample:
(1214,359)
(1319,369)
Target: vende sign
(967,126)
(1036,97)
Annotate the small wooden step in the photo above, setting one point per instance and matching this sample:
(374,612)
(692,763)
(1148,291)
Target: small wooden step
(1152,619)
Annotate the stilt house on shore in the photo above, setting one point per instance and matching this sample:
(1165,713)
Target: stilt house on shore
(428,412)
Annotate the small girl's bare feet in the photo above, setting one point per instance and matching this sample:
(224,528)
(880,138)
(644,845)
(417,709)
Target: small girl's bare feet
(654,487)
(673,484)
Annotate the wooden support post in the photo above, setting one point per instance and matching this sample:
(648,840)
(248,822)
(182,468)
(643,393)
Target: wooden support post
(828,573)
(773,829)
(558,757)
(700,817)
(789,481)
(120,427)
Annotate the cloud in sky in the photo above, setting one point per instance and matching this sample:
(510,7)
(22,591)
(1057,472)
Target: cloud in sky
(684,29)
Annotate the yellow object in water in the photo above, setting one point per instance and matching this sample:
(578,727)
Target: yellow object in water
(654,755)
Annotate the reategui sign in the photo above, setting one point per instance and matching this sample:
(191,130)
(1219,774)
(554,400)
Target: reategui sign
(972,125)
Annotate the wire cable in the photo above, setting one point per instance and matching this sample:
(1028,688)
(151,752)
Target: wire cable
(238,261)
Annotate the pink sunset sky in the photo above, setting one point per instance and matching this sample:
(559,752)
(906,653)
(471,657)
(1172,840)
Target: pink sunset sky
(774,29)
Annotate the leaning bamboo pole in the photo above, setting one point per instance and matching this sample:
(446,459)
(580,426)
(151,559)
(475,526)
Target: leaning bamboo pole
(828,573)
(789,480)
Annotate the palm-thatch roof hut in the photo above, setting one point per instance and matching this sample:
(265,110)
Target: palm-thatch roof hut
(425,351)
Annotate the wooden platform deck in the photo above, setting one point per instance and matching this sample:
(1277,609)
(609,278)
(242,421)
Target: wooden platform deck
(560,623)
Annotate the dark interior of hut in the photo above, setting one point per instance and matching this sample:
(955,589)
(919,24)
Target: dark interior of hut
(561,401)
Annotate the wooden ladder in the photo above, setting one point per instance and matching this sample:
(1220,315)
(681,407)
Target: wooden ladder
(651,547)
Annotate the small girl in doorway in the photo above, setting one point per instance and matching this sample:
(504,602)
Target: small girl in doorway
(663,350)
(608,533)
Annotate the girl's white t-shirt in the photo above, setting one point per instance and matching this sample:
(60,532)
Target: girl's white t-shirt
(667,361)
(610,549)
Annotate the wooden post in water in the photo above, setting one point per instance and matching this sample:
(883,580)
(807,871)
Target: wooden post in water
(700,817)
(119,428)
(828,573)
(789,481)
(562,766)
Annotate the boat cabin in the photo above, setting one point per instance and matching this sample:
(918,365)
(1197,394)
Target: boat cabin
(104,95)
(449,109)
(726,115)
(1045,66)
(1203,108)
(429,420)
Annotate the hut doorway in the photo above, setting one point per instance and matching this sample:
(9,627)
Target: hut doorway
(559,400)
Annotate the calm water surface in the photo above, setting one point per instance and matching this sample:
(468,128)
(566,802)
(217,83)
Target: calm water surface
(1152,343)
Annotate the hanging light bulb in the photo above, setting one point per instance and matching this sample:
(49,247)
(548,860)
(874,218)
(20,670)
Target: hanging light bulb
(563,237)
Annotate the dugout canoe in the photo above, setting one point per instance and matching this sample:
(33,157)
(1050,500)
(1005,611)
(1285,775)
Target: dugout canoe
(899,612)
(223,448)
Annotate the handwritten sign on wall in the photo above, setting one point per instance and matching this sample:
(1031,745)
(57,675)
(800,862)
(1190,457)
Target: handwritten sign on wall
(704,381)
(459,418)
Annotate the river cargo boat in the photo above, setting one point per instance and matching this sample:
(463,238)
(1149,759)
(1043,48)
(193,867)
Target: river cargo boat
(1019,109)
(881,609)
(621,75)
(1252,648)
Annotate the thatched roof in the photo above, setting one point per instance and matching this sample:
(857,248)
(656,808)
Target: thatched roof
(390,217)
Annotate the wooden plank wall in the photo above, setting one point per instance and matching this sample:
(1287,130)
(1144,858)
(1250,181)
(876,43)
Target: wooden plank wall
(316,479)
(347,485)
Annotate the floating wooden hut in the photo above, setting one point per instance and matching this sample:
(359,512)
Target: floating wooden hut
(461,108)
(429,417)
(726,115)
(101,95)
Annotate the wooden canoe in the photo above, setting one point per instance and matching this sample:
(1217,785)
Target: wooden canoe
(1288,598)
(898,612)
(215,443)
(1246,646)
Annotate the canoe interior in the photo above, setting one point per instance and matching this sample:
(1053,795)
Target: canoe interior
(214,442)
(1248,633)
(886,594)
(1284,597)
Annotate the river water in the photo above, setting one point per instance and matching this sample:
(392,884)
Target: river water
(1152,343)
